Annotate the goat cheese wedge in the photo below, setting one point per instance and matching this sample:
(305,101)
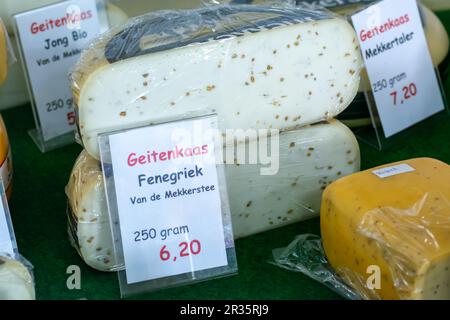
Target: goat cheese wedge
(394,219)
(16,282)
(310,159)
(256,67)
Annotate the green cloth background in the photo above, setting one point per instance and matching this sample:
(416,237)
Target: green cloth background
(38,209)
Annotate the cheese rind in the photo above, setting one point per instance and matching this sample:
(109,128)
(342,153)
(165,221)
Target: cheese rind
(310,159)
(400,224)
(256,67)
(16,281)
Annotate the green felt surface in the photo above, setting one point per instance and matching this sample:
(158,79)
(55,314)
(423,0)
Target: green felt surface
(38,209)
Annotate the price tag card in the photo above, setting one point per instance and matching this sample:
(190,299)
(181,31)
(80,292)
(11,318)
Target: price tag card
(50,40)
(404,82)
(168,199)
(8,244)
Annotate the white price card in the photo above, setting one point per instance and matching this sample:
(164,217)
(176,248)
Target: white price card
(169,197)
(51,39)
(7,238)
(402,76)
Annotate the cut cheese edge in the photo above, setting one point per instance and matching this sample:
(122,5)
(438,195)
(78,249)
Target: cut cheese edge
(310,159)
(399,223)
(285,73)
(16,282)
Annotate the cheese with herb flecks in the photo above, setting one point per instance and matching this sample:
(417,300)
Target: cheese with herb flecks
(390,227)
(310,159)
(256,67)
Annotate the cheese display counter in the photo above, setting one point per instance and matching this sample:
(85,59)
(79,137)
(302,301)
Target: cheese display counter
(58,205)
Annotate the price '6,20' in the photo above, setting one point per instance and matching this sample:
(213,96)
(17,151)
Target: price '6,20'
(408,92)
(185,249)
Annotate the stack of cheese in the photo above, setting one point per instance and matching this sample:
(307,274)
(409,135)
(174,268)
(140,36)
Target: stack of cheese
(14,92)
(256,68)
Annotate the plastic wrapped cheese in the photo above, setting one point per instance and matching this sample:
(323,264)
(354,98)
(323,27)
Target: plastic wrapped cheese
(395,218)
(310,159)
(256,67)
(16,281)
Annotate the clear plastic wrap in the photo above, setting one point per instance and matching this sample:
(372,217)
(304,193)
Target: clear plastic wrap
(310,158)
(257,67)
(384,237)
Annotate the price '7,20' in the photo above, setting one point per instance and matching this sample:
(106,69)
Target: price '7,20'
(408,92)
(186,249)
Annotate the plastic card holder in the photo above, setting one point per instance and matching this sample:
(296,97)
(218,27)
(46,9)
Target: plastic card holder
(171,220)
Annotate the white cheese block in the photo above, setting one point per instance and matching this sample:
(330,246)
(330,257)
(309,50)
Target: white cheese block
(310,159)
(8,8)
(270,69)
(16,282)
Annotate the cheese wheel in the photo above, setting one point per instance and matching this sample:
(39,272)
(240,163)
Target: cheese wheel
(437,5)
(310,159)
(6,171)
(398,224)
(258,67)
(3,55)
(14,91)
(16,282)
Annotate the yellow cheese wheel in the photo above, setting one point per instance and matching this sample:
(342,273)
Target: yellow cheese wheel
(395,228)
(3,55)
(5,158)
